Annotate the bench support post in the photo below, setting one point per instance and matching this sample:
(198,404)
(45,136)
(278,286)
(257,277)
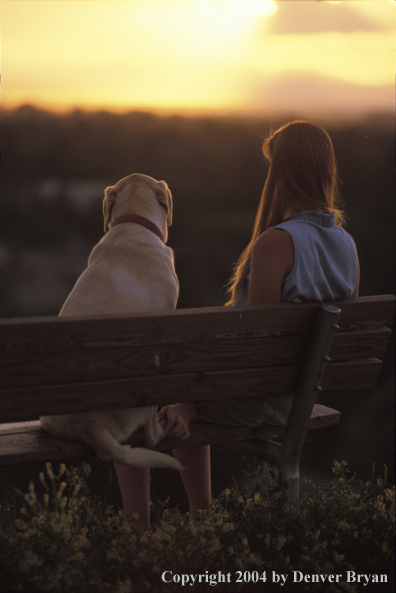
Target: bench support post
(304,400)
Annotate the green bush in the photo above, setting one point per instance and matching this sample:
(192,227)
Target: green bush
(64,540)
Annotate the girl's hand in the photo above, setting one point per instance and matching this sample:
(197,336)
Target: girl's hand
(177,418)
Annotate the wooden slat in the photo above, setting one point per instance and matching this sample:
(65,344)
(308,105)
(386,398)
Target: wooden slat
(31,443)
(352,345)
(20,427)
(180,326)
(366,312)
(184,325)
(215,353)
(347,376)
(38,445)
(116,363)
(29,403)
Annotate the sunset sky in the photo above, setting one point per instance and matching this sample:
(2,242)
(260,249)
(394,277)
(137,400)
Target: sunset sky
(256,57)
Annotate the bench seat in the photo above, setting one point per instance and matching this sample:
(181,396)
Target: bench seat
(28,442)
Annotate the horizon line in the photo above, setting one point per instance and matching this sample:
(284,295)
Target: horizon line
(191,113)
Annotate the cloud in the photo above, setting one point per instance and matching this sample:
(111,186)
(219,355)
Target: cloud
(308,95)
(310,16)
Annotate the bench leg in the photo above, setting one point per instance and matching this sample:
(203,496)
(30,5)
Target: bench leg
(289,482)
(304,400)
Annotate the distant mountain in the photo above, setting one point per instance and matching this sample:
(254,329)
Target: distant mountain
(309,95)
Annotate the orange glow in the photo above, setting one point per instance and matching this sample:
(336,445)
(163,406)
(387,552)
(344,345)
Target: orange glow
(195,55)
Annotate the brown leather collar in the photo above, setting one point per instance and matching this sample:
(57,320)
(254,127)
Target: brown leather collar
(139,220)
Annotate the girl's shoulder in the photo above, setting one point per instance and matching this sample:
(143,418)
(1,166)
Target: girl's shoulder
(274,239)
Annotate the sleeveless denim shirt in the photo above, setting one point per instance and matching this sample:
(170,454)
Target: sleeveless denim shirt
(325,261)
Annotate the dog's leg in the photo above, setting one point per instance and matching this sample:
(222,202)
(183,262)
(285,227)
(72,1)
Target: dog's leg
(153,431)
(100,439)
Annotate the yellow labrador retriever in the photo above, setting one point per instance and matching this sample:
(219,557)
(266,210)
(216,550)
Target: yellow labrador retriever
(129,270)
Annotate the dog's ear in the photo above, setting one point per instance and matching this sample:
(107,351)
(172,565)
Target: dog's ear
(110,196)
(165,199)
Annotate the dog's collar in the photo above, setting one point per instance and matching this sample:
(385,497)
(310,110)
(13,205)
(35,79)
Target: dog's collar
(139,220)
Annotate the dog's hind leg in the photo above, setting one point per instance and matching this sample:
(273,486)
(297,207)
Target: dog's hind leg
(153,431)
(109,448)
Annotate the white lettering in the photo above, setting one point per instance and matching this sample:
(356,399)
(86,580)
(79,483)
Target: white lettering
(164,578)
(298,576)
(184,579)
(352,577)
(384,578)
(334,576)
(276,578)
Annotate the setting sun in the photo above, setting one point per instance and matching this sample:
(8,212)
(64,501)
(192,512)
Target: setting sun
(198,55)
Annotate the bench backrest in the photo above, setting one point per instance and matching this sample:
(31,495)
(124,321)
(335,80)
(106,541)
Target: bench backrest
(58,365)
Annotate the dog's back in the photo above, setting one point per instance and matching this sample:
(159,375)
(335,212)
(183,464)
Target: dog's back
(130,270)
(125,274)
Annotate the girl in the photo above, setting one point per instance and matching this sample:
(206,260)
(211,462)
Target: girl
(298,252)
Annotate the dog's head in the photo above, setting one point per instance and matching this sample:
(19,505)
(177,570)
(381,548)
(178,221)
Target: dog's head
(138,194)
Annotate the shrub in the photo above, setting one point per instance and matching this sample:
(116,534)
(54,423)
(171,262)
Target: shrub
(53,544)
(66,540)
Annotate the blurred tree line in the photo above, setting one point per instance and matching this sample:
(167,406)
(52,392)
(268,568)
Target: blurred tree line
(56,166)
(215,170)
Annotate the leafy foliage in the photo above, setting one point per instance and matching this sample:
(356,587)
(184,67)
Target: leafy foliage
(67,541)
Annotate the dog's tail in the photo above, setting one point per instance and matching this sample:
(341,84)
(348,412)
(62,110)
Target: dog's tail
(108,448)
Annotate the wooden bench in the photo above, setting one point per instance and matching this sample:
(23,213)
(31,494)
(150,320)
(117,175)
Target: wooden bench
(60,365)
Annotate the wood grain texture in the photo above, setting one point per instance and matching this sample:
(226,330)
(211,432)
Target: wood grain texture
(50,334)
(60,365)
(39,368)
(29,403)
(40,446)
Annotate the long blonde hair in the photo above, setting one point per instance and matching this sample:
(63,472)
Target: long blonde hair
(302,176)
